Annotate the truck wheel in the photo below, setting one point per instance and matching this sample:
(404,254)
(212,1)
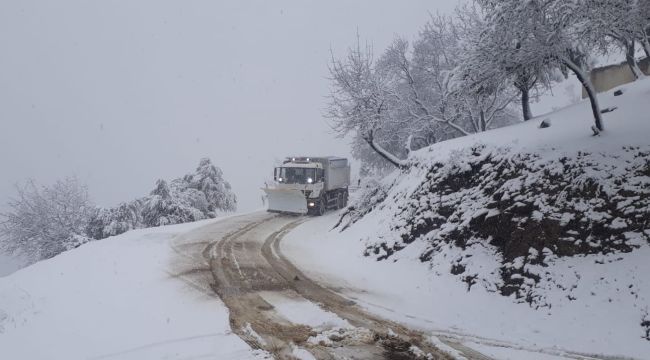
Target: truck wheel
(321,207)
(340,201)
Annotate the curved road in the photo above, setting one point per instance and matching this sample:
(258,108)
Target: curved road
(239,259)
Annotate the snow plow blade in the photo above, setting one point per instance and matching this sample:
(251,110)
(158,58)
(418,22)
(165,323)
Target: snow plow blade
(286,201)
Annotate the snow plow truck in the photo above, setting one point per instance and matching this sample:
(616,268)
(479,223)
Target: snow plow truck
(309,185)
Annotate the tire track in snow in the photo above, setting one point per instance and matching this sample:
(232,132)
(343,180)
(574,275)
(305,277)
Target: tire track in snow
(344,307)
(241,257)
(244,265)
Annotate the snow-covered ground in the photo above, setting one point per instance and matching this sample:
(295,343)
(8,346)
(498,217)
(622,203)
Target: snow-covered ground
(113,299)
(8,264)
(117,298)
(408,291)
(593,304)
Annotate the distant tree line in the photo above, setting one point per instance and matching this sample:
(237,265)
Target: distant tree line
(42,222)
(466,71)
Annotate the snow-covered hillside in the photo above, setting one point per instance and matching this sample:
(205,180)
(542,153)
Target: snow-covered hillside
(526,235)
(522,243)
(113,299)
(8,264)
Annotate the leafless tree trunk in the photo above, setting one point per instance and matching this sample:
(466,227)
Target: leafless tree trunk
(591,92)
(370,138)
(525,104)
(631,60)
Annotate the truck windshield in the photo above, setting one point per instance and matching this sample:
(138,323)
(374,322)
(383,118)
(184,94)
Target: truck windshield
(296,175)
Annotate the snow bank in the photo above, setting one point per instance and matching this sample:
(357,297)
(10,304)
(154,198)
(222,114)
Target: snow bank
(8,264)
(554,218)
(113,298)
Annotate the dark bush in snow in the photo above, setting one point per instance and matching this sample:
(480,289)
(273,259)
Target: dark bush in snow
(43,222)
(161,208)
(196,196)
(208,179)
(114,221)
(189,196)
(372,195)
(528,209)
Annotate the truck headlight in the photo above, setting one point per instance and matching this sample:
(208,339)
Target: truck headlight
(310,204)
(279,179)
(310,180)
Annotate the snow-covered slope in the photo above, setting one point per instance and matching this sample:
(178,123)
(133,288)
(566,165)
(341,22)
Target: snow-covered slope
(8,265)
(113,299)
(555,219)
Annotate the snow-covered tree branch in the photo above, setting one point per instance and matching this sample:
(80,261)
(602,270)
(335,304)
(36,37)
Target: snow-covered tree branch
(463,72)
(360,99)
(199,195)
(44,221)
(546,34)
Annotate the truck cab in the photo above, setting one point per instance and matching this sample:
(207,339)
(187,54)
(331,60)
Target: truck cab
(310,185)
(301,174)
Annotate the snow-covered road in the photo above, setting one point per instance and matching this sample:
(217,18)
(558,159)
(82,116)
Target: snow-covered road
(115,299)
(152,294)
(275,307)
(435,303)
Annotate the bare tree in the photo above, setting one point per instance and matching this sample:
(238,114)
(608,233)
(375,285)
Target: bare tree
(491,60)
(642,25)
(439,59)
(435,55)
(359,99)
(43,222)
(619,24)
(408,98)
(553,32)
(416,97)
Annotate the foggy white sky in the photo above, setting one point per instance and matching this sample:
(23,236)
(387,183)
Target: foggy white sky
(120,93)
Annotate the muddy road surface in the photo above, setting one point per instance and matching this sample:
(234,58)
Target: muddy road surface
(275,307)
